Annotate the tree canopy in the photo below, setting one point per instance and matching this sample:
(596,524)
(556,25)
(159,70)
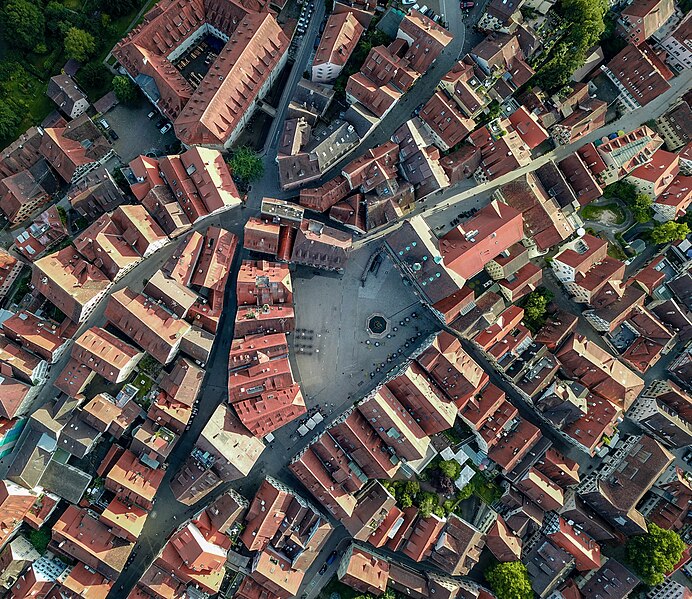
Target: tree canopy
(627,192)
(654,554)
(79,44)
(641,208)
(246,165)
(669,232)
(9,120)
(24,24)
(509,580)
(536,306)
(450,468)
(584,27)
(124,89)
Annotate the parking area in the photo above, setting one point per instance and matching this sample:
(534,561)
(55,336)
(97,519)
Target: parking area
(337,358)
(137,133)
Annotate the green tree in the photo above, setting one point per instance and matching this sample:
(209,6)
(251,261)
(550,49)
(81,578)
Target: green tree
(246,165)
(654,554)
(24,24)
(427,502)
(584,27)
(404,500)
(93,75)
(40,539)
(79,44)
(641,208)
(621,190)
(118,8)
(509,580)
(450,468)
(124,89)
(669,232)
(535,307)
(9,120)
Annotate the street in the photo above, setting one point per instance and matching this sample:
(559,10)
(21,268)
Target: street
(334,308)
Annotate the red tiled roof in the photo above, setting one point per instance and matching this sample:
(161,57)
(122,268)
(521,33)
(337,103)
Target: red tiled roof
(219,104)
(528,127)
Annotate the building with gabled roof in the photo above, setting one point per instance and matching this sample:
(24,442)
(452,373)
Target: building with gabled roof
(425,38)
(502,542)
(466,88)
(585,551)
(70,283)
(78,535)
(665,410)
(104,246)
(458,548)
(674,200)
(422,398)
(445,121)
(394,424)
(132,481)
(233,449)
(15,503)
(106,355)
(149,325)
(340,37)
(70,100)
(75,148)
(639,20)
(250,50)
(46,230)
(611,581)
(95,194)
(491,231)
(502,150)
(38,335)
(527,126)
(424,537)
(657,174)
(676,46)
(548,565)
(363,571)
(599,371)
(21,154)
(639,75)
(452,369)
(615,490)
(320,246)
(20,196)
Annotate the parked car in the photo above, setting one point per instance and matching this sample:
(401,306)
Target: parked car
(104,124)
(323,569)
(467,4)
(152,114)
(113,135)
(331,558)
(166,128)
(408,2)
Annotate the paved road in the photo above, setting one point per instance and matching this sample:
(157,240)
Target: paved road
(452,196)
(168,513)
(299,67)
(421,92)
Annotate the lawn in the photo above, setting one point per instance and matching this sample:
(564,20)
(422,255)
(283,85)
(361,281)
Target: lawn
(610,214)
(144,384)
